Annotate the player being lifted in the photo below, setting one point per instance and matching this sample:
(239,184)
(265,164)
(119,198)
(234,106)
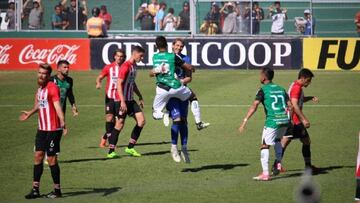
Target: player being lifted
(51,126)
(177,47)
(276,104)
(112,104)
(128,106)
(299,120)
(168,85)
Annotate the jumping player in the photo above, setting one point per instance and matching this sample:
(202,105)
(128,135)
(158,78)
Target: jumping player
(177,47)
(51,126)
(112,104)
(126,87)
(299,120)
(276,104)
(168,86)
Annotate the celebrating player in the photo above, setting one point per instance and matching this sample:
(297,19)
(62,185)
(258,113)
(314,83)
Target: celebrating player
(276,103)
(177,47)
(65,84)
(128,106)
(51,126)
(112,104)
(299,120)
(168,86)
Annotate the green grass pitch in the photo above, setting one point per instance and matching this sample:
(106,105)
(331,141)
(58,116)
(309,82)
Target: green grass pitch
(223,162)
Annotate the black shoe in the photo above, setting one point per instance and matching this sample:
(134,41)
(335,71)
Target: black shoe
(54,194)
(314,170)
(34,193)
(202,125)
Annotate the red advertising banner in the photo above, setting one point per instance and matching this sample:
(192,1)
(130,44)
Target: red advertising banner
(27,54)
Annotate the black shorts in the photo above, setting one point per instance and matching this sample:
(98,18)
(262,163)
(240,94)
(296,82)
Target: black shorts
(48,141)
(111,106)
(132,109)
(296,132)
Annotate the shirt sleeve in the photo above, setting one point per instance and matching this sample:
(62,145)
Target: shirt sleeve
(124,70)
(178,61)
(295,92)
(260,95)
(105,71)
(54,93)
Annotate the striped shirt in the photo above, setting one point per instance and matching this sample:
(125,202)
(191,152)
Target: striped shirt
(111,71)
(46,96)
(128,75)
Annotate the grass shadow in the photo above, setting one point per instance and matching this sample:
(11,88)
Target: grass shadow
(163,152)
(223,167)
(83,160)
(138,144)
(86,191)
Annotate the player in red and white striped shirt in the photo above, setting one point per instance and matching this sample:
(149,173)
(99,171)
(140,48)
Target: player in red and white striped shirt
(51,126)
(112,104)
(128,106)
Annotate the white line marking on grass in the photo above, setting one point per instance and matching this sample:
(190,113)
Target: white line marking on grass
(206,105)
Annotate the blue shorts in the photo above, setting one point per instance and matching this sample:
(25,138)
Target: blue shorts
(177,108)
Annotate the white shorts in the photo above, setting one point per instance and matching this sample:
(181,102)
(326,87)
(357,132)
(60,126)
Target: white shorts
(163,96)
(269,135)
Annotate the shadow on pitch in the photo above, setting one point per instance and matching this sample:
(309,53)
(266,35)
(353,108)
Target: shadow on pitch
(86,191)
(300,172)
(163,152)
(137,144)
(223,167)
(84,160)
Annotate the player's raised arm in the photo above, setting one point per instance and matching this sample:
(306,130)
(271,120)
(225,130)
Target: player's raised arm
(250,112)
(27,114)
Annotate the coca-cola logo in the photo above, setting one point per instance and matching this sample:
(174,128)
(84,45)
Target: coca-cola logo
(60,52)
(4,55)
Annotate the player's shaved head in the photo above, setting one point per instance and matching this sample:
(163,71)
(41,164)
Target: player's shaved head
(268,73)
(161,42)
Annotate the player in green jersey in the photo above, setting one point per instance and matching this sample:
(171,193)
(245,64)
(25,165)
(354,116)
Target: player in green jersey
(65,84)
(168,85)
(276,104)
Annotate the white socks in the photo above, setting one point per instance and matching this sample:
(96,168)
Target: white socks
(265,161)
(195,108)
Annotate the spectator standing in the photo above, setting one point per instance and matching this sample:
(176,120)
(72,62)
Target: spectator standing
(213,15)
(255,16)
(231,13)
(208,27)
(159,17)
(154,7)
(310,23)
(35,15)
(58,20)
(170,21)
(357,22)
(96,26)
(106,16)
(10,15)
(278,16)
(145,18)
(184,17)
(70,11)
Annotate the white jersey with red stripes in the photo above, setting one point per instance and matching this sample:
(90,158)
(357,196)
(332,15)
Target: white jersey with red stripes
(111,71)
(46,96)
(128,75)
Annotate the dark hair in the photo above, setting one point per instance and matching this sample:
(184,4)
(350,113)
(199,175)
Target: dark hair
(62,62)
(171,10)
(119,50)
(47,67)
(268,72)
(305,73)
(178,40)
(138,49)
(277,2)
(95,11)
(57,6)
(161,42)
(162,4)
